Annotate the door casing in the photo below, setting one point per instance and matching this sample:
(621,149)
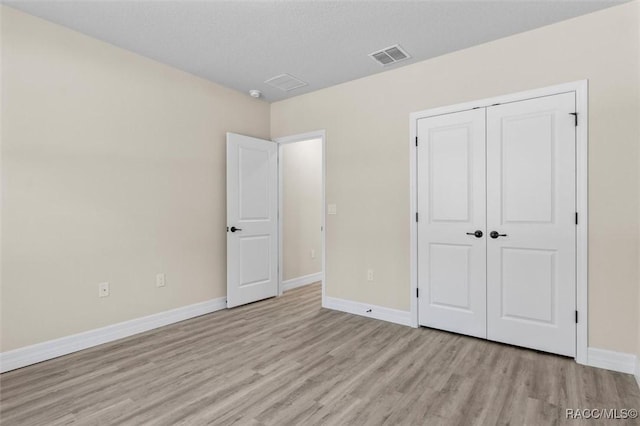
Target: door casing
(581,91)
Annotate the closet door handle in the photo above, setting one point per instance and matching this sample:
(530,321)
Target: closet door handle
(477,234)
(234,229)
(495,234)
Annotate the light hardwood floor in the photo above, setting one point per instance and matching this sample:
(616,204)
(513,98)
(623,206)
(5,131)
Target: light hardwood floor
(286,361)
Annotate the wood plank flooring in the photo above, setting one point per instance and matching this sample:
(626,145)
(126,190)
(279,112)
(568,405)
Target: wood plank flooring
(286,361)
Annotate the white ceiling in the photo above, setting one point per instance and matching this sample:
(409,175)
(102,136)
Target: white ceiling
(240,44)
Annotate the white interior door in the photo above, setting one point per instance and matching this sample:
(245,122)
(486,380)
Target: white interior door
(451,204)
(531,204)
(252,219)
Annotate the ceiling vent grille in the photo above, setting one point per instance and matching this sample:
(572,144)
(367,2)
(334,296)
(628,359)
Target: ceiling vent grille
(285,82)
(390,55)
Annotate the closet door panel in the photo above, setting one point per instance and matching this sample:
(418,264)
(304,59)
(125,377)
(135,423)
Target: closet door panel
(531,206)
(451,204)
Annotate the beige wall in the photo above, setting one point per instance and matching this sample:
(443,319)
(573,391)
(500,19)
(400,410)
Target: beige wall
(113,169)
(301,208)
(367,125)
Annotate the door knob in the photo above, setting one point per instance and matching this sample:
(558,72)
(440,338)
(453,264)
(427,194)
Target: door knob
(234,229)
(495,234)
(477,234)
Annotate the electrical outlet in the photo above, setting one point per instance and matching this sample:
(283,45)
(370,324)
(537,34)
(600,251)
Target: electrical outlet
(161,280)
(103,289)
(332,209)
(313,254)
(369,274)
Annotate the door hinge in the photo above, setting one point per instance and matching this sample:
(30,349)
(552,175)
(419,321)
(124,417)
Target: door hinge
(576,218)
(575,116)
(417,292)
(576,317)
(416,141)
(416,216)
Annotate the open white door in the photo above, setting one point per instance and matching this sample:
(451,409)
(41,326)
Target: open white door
(252,219)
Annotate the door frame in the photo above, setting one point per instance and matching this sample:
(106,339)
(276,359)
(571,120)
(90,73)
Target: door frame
(318,134)
(581,89)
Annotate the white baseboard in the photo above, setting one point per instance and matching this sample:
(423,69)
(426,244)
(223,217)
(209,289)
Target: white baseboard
(301,281)
(21,357)
(611,360)
(366,310)
(39,352)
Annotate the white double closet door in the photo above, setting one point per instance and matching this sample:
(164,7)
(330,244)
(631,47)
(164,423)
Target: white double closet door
(497,231)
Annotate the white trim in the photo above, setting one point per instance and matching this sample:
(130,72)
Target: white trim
(575,86)
(413,224)
(636,373)
(367,310)
(318,134)
(611,360)
(582,195)
(301,281)
(582,231)
(39,352)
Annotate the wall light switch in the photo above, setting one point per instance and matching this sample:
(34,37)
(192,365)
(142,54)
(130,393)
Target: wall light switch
(332,209)
(313,254)
(103,289)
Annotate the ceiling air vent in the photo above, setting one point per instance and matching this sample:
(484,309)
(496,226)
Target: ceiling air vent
(390,55)
(285,82)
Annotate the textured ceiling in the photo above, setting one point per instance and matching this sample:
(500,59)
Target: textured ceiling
(240,44)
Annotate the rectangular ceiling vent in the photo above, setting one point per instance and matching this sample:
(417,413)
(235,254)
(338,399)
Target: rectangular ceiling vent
(285,82)
(390,55)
